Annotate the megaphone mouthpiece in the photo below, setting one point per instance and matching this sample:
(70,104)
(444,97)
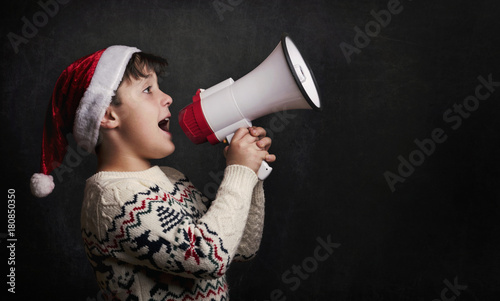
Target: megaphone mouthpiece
(193,123)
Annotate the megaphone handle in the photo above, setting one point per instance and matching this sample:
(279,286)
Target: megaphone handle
(264,169)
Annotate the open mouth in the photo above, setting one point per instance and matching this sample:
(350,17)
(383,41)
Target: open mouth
(164,124)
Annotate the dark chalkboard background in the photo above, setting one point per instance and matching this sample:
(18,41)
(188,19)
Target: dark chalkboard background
(438,229)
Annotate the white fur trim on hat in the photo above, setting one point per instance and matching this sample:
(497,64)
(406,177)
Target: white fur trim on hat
(96,99)
(41,184)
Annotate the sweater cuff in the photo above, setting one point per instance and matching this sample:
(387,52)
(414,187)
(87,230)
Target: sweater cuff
(239,177)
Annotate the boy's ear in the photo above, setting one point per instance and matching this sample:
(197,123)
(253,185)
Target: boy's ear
(110,119)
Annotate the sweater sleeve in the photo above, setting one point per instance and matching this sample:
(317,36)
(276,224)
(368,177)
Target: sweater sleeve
(252,234)
(153,228)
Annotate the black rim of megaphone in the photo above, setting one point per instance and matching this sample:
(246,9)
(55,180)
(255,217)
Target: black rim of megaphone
(297,80)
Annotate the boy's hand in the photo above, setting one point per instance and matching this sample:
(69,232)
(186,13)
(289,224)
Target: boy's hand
(249,147)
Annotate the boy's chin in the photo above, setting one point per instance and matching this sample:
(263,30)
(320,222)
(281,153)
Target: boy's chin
(161,153)
(167,152)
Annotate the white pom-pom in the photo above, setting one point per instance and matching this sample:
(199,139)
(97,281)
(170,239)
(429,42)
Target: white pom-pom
(41,184)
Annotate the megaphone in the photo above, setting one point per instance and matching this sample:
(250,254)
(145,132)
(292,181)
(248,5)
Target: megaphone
(283,81)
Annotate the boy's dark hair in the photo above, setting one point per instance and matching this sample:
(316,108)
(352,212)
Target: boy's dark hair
(139,65)
(141,61)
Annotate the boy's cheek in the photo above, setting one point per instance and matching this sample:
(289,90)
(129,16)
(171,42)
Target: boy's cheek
(128,112)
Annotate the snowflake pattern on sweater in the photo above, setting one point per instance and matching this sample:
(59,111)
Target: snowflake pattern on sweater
(153,236)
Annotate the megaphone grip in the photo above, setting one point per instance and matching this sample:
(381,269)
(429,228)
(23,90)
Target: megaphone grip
(264,169)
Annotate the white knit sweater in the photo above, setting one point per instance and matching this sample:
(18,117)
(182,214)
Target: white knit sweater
(150,235)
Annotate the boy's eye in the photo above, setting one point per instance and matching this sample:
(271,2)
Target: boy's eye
(147,90)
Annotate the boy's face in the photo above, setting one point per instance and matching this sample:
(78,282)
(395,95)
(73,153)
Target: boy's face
(144,118)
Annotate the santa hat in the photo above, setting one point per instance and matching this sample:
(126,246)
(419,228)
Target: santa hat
(79,100)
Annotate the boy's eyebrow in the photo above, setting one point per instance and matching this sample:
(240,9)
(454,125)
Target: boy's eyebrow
(148,76)
(142,79)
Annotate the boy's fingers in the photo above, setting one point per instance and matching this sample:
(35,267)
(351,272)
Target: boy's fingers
(264,143)
(257,131)
(270,158)
(254,134)
(240,133)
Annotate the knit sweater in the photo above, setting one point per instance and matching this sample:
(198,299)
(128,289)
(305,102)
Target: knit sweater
(151,235)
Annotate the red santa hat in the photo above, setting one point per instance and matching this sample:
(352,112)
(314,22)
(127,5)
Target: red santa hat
(79,101)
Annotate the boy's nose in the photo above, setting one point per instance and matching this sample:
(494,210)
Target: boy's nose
(166,100)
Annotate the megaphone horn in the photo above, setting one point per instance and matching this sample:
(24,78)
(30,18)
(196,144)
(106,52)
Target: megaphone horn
(283,81)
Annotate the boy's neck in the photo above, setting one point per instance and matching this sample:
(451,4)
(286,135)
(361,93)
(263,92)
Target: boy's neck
(121,162)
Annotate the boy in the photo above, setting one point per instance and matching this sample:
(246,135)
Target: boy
(148,233)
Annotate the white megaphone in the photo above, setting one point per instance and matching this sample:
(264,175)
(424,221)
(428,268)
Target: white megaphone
(282,82)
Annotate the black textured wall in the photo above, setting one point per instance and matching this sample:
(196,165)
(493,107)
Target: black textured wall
(389,193)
